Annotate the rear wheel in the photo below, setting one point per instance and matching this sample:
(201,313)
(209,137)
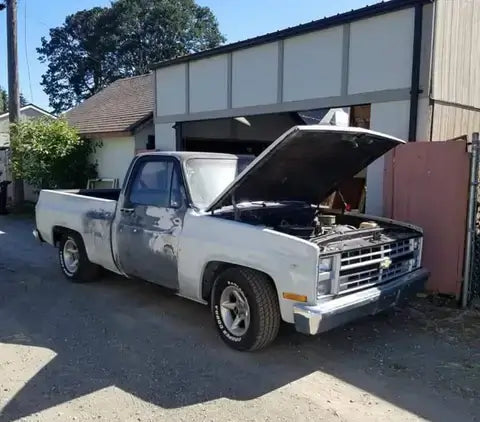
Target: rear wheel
(245,309)
(74,261)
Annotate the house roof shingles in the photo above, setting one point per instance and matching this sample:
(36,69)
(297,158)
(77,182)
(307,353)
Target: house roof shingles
(119,107)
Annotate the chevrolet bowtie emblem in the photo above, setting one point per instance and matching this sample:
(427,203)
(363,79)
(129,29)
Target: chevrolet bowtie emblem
(385,263)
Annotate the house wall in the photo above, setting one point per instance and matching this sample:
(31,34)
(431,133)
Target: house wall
(456,63)
(368,61)
(311,60)
(391,118)
(170,87)
(363,62)
(450,121)
(381,52)
(141,136)
(456,69)
(114,157)
(165,137)
(254,76)
(208,84)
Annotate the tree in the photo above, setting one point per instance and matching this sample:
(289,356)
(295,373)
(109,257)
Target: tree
(4,100)
(95,47)
(49,154)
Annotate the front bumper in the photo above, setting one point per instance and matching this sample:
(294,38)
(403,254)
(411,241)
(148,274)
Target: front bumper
(315,319)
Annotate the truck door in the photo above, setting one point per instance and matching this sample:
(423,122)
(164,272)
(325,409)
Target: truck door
(149,220)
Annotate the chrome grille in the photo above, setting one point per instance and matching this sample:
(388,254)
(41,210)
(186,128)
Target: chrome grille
(362,267)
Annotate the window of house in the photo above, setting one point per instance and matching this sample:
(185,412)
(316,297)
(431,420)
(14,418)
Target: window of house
(360,116)
(150,142)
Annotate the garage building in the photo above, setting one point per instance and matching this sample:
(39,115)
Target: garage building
(405,67)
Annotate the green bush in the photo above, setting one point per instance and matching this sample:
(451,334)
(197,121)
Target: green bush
(49,154)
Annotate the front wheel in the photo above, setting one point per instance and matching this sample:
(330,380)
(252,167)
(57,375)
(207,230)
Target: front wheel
(245,309)
(74,261)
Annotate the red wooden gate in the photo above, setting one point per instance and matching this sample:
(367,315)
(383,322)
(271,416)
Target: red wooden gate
(426,183)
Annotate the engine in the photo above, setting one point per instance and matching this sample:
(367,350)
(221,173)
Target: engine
(322,224)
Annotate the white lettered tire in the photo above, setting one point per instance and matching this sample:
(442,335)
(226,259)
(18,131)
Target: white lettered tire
(73,259)
(245,309)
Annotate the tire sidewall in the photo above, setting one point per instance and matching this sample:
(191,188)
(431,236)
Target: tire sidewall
(235,278)
(65,271)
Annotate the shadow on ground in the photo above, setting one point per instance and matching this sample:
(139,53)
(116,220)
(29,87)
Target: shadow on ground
(164,349)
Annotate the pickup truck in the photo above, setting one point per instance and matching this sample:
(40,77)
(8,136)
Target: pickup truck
(258,247)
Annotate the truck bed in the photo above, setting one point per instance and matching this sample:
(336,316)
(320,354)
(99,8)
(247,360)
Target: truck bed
(112,194)
(86,212)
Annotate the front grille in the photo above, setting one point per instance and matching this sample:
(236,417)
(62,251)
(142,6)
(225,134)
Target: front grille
(365,267)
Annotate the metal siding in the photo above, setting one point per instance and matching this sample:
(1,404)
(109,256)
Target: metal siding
(209,84)
(456,69)
(381,52)
(313,65)
(451,121)
(254,76)
(170,82)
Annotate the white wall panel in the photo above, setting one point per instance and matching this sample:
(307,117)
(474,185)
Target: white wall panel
(165,137)
(114,157)
(254,76)
(313,65)
(391,118)
(141,136)
(423,119)
(381,52)
(171,87)
(208,84)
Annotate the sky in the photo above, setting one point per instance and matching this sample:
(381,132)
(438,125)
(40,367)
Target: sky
(238,19)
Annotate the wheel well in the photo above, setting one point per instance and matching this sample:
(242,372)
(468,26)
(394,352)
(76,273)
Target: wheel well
(214,268)
(59,231)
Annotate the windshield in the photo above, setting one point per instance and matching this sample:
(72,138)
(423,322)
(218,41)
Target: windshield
(208,177)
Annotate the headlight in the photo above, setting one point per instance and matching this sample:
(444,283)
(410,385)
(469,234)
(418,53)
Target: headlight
(324,276)
(325,264)
(323,287)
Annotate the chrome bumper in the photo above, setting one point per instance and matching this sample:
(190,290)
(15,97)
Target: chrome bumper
(315,319)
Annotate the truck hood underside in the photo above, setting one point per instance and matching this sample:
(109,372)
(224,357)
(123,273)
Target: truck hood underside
(307,164)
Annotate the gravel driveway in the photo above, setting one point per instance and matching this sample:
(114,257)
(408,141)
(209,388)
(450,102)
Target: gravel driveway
(125,350)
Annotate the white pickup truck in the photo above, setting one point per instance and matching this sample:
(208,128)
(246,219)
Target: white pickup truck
(259,247)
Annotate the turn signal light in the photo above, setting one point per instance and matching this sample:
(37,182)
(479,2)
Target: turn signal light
(294,296)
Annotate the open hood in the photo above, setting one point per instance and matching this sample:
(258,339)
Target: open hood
(306,163)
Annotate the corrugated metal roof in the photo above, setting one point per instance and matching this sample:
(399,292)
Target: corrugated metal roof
(339,19)
(120,107)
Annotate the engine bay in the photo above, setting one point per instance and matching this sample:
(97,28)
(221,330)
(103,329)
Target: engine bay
(330,229)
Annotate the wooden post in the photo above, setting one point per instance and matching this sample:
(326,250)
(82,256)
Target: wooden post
(13,89)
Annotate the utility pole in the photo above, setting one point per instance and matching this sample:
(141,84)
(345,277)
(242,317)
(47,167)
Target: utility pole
(13,90)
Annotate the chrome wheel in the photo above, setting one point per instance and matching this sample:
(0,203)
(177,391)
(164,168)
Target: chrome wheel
(235,310)
(71,256)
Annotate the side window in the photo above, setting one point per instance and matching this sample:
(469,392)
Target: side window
(151,185)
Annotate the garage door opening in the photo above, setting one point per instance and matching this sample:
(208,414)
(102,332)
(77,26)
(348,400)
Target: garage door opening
(249,136)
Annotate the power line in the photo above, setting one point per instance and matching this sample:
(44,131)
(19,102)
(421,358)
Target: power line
(26,50)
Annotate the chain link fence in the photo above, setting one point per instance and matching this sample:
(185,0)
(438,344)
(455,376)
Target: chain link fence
(475,281)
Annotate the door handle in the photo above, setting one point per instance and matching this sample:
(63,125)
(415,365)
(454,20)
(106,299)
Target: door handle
(127,210)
